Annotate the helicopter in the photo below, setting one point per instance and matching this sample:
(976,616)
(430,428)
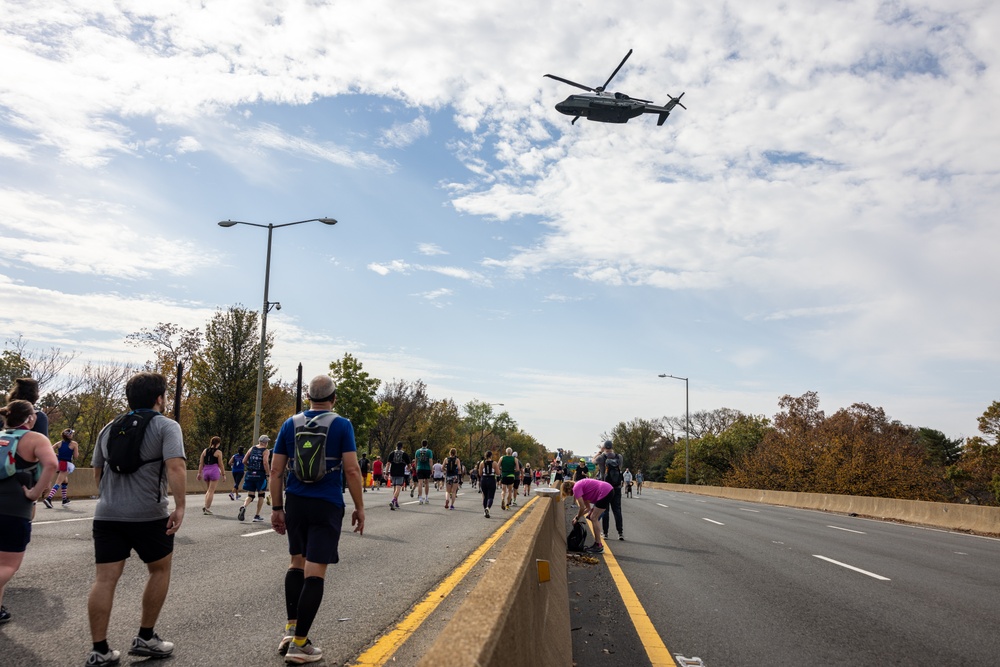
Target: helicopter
(605,107)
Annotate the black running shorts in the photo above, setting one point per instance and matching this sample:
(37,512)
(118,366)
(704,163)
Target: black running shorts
(313,528)
(423,474)
(15,533)
(114,541)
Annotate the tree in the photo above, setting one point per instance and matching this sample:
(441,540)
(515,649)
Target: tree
(713,455)
(43,366)
(440,423)
(99,399)
(224,376)
(356,391)
(484,429)
(400,403)
(943,451)
(857,451)
(12,366)
(976,474)
(635,441)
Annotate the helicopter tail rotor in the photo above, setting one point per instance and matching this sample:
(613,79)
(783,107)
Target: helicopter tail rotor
(677,101)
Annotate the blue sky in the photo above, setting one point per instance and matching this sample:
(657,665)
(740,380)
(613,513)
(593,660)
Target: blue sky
(821,218)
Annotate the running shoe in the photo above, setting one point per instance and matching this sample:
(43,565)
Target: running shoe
(285,642)
(232,497)
(47,502)
(96,659)
(604,535)
(298,655)
(595,549)
(621,536)
(65,501)
(392,506)
(452,507)
(205,510)
(411,493)
(243,513)
(446,504)
(153,648)
(257,518)
(4,615)
(487,511)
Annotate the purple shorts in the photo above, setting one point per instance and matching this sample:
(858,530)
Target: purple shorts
(211,472)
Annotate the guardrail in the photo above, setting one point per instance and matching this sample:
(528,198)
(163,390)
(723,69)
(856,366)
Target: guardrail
(953,516)
(529,576)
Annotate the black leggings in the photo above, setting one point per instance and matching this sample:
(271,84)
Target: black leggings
(488,485)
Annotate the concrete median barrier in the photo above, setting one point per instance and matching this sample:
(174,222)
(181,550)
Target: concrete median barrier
(82,484)
(952,516)
(513,606)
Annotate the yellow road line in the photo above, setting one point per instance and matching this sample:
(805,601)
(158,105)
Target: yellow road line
(656,650)
(383,650)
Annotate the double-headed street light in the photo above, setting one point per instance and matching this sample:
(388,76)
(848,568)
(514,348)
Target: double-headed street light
(687,427)
(267,305)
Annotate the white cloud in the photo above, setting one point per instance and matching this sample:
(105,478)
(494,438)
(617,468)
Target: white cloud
(401,135)
(431,249)
(188,145)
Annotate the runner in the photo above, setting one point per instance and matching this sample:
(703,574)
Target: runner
(628,483)
(638,483)
(237,468)
(474,476)
(424,460)
(517,482)
(526,479)
(258,469)
(364,472)
(488,481)
(68,449)
(211,470)
(19,492)
(399,463)
(508,473)
(437,470)
(453,474)
(377,474)
(411,478)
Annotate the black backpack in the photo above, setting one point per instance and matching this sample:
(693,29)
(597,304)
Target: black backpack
(576,538)
(613,471)
(397,457)
(125,441)
(310,460)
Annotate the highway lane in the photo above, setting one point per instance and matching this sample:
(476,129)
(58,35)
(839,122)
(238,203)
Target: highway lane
(226,603)
(738,583)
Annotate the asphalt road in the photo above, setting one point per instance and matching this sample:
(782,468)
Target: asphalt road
(738,584)
(226,600)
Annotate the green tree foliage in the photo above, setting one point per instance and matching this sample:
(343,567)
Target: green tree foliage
(939,447)
(224,376)
(976,474)
(439,422)
(528,449)
(636,441)
(713,455)
(485,429)
(356,390)
(12,366)
(857,451)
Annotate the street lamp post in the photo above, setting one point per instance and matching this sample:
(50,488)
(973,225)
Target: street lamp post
(267,305)
(687,427)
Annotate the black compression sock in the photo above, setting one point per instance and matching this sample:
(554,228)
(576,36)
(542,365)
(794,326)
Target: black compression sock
(146,633)
(312,596)
(102,647)
(293,591)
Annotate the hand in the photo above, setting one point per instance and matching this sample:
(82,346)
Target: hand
(31,495)
(278,521)
(358,520)
(199,477)
(174,520)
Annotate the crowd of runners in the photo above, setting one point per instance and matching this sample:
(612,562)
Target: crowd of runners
(307,503)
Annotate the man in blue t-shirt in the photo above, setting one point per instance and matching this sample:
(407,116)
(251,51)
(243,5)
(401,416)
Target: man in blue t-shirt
(311,516)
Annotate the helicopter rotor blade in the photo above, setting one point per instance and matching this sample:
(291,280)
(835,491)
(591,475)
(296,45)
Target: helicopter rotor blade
(572,83)
(615,72)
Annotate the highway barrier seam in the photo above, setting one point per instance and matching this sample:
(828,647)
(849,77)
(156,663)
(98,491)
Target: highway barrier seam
(383,649)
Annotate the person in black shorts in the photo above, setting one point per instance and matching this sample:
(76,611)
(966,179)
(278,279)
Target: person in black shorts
(312,514)
(133,514)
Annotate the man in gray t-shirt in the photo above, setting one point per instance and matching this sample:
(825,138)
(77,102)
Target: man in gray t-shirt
(133,514)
